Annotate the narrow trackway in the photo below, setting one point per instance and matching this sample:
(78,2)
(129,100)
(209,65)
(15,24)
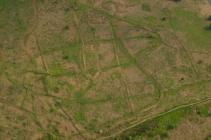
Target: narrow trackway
(31,30)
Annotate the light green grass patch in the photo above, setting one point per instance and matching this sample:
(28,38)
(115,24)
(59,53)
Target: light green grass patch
(193,26)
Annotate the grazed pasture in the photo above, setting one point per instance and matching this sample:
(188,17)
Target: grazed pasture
(96,69)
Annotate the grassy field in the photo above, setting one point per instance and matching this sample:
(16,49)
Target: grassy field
(104,69)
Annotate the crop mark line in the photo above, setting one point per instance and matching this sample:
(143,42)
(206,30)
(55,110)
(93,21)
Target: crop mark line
(72,123)
(30,113)
(125,50)
(128,94)
(31,30)
(201,82)
(63,110)
(41,56)
(96,44)
(189,56)
(157,87)
(79,39)
(116,46)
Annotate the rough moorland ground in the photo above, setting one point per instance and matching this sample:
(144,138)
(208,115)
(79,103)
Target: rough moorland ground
(92,69)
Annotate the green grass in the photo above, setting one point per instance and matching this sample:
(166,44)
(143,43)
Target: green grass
(193,26)
(116,75)
(71,52)
(80,117)
(78,90)
(50,136)
(203,111)
(209,68)
(159,126)
(6,4)
(166,123)
(208,138)
(146,7)
(15,19)
(57,69)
